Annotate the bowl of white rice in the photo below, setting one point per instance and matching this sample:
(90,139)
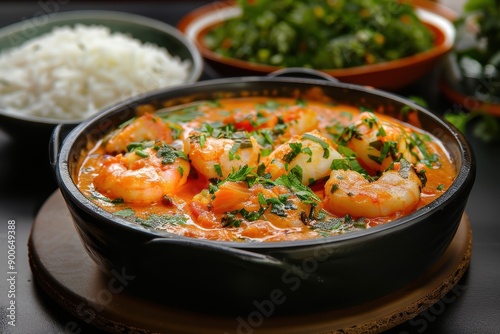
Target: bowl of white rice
(68,67)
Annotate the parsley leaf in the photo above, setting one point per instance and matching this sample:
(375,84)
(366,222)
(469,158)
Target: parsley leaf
(321,142)
(304,193)
(156,221)
(244,173)
(169,154)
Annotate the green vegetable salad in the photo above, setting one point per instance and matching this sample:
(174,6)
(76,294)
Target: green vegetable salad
(321,34)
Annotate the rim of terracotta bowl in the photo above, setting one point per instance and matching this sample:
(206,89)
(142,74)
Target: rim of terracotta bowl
(196,24)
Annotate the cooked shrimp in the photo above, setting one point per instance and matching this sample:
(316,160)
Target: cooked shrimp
(285,122)
(145,127)
(142,178)
(216,158)
(396,191)
(299,120)
(312,152)
(276,205)
(378,143)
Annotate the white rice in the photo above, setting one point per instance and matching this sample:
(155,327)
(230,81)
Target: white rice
(73,72)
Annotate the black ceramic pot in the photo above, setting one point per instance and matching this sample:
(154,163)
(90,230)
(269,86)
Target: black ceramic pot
(290,276)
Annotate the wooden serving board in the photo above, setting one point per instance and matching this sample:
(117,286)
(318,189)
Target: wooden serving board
(63,269)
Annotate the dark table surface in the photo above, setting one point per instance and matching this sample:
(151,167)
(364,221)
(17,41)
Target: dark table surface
(26,182)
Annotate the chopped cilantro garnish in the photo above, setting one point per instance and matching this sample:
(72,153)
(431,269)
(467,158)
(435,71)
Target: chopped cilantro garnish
(253,215)
(265,152)
(280,204)
(262,199)
(233,151)
(218,170)
(296,149)
(346,151)
(140,146)
(423,178)
(230,219)
(264,137)
(339,225)
(168,154)
(125,212)
(261,169)
(301,102)
(349,162)
(324,145)
(281,127)
(330,224)
(304,193)
(212,188)
(98,196)
(419,141)
(244,173)
(155,221)
(370,121)
(347,134)
(141,153)
(385,148)
(202,140)
(381,132)
(176,130)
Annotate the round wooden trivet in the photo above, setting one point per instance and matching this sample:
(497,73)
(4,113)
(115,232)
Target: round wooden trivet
(63,269)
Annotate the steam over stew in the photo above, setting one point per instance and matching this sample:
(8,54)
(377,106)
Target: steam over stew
(261,169)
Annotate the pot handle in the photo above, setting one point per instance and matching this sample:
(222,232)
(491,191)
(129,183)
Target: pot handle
(302,72)
(212,250)
(56,139)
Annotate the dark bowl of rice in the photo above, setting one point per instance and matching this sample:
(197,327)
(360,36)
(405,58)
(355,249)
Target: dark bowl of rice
(72,65)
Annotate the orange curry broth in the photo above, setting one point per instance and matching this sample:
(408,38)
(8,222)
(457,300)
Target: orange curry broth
(201,225)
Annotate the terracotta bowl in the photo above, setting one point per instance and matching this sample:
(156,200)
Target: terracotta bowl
(334,272)
(392,75)
(472,93)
